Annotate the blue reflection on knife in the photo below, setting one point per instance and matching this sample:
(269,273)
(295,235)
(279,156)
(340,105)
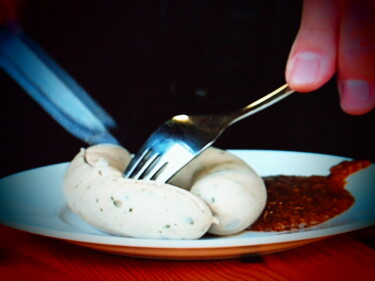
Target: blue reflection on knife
(50,86)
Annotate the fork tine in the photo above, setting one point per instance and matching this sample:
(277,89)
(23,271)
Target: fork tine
(170,162)
(152,170)
(139,165)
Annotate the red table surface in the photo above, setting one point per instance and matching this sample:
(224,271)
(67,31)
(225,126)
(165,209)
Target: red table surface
(25,256)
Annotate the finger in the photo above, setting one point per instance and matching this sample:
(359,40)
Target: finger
(312,59)
(356,60)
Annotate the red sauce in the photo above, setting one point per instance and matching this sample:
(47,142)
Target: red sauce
(297,202)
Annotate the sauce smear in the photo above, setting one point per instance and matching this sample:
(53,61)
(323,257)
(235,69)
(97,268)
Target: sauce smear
(297,202)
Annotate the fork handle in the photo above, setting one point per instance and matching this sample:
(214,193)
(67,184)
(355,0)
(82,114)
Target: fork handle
(261,103)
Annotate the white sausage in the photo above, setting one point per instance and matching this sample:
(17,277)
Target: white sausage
(226,195)
(234,192)
(95,189)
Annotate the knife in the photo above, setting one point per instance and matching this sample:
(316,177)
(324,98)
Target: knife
(50,86)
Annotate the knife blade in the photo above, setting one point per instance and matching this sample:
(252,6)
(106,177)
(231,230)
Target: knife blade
(54,89)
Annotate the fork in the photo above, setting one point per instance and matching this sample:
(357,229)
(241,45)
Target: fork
(183,137)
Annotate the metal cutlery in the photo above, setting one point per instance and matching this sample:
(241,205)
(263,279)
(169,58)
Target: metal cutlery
(183,137)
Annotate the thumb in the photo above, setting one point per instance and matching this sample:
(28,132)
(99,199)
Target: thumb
(312,59)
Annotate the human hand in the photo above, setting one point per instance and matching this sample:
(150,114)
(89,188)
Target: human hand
(336,36)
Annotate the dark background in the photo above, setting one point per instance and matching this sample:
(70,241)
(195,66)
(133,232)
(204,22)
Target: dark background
(146,61)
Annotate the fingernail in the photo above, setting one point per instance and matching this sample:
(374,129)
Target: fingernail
(355,96)
(305,68)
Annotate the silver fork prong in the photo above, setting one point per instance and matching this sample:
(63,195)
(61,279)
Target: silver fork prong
(153,170)
(141,164)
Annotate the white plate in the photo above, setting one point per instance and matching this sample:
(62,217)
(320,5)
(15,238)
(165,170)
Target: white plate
(32,201)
